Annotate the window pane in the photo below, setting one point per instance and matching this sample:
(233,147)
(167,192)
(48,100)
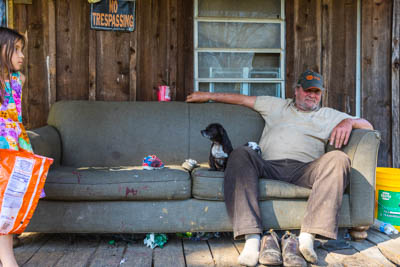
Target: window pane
(252,89)
(220,87)
(273,89)
(239,35)
(240,8)
(238,65)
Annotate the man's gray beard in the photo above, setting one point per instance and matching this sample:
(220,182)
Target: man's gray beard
(316,107)
(305,108)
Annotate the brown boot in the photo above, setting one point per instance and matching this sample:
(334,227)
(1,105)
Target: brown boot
(290,251)
(270,252)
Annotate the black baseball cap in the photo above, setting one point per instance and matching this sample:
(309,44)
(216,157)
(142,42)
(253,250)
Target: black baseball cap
(310,79)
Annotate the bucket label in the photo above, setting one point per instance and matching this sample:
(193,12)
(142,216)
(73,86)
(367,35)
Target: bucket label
(389,207)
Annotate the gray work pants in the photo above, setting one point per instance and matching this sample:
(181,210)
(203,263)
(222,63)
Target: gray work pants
(327,176)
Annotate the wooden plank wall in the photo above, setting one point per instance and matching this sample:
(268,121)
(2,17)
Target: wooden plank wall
(376,71)
(35,102)
(72,50)
(303,40)
(66,60)
(396,84)
(339,53)
(321,35)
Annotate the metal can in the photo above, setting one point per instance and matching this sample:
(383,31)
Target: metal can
(164,93)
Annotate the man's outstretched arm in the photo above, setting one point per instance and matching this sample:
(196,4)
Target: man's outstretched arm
(237,99)
(341,133)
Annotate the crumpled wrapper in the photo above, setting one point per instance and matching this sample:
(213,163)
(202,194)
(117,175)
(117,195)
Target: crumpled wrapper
(155,240)
(199,236)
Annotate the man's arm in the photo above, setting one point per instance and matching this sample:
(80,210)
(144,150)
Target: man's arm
(237,99)
(341,133)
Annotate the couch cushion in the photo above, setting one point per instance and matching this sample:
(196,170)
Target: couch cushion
(98,134)
(118,183)
(209,185)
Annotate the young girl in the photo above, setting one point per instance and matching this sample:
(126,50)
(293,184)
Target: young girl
(12,132)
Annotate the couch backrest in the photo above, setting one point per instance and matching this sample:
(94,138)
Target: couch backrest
(96,133)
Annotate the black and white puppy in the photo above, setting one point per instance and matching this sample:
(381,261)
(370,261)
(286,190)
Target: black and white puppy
(221,146)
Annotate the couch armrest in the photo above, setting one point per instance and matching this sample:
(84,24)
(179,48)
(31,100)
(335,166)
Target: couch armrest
(363,151)
(46,142)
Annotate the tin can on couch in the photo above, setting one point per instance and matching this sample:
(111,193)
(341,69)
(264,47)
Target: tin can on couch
(164,93)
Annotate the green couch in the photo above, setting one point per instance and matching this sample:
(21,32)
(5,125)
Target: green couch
(96,183)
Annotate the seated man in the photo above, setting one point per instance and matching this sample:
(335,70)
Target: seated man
(293,150)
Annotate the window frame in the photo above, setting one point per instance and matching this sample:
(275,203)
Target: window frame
(281,51)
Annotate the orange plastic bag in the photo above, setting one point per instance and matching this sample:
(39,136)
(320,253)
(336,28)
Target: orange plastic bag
(22,177)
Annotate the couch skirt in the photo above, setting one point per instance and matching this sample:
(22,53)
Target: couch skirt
(191,215)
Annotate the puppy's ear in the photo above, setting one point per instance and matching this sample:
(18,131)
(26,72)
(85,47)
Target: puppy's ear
(222,132)
(225,141)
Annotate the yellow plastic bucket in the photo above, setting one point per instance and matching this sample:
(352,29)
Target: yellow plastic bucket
(387,196)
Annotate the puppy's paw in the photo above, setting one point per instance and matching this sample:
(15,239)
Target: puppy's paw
(190,164)
(254,146)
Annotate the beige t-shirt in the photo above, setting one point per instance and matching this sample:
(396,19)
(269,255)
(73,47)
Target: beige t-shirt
(290,133)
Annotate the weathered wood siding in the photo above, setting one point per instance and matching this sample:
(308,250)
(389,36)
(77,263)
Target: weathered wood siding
(303,40)
(376,70)
(396,84)
(321,35)
(66,60)
(103,65)
(72,49)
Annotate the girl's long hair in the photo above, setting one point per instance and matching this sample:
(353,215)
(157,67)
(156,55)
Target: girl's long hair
(8,39)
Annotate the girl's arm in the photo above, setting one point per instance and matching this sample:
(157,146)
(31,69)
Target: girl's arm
(22,77)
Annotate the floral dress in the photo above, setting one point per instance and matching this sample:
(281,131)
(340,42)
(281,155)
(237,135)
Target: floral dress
(12,133)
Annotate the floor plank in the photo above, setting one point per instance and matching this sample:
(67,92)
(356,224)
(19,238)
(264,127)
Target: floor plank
(31,243)
(338,256)
(50,253)
(169,256)
(224,252)
(197,253)
(137,255)
(239,244)
(358,260)
(79,251)
(108,255)
(371,251)
(350,258)
(377,237)
(395,236)
(391,250)
(94,250)
(322,254)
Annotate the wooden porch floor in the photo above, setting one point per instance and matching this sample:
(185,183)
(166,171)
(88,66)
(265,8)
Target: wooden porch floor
(123,250)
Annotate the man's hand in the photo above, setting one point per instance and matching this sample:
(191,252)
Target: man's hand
(199,97)
(341,133)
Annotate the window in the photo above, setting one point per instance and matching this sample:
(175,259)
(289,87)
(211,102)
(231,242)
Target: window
(3,13)
(239,46)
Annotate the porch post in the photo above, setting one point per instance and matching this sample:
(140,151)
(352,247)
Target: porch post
(396,85)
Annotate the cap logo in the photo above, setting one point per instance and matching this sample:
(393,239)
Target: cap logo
(311,77)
